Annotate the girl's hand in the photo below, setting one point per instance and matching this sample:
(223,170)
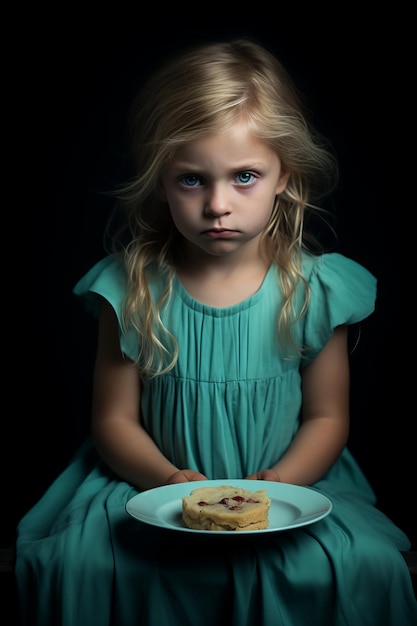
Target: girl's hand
(184,476)
(265,474)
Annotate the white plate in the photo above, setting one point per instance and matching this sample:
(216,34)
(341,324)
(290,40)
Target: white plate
(291,506)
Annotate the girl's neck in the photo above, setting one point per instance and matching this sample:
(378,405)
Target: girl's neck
(222,284)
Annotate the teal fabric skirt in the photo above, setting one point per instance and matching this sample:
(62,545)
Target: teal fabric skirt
(82,560)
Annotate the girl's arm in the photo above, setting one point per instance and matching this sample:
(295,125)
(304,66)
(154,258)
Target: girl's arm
(325,418)
(118,435)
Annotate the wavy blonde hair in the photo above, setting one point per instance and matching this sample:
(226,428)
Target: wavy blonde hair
(201,92)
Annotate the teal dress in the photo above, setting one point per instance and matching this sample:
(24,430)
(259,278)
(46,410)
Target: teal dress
(230,407)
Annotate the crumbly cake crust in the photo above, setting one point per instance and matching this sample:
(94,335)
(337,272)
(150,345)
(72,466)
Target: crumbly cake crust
(226,508)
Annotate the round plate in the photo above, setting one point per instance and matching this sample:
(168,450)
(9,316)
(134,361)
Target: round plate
(291,506)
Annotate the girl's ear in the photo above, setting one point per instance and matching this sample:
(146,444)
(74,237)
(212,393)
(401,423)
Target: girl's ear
(282,181)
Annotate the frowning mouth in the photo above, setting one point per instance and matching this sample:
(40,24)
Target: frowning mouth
(219,233)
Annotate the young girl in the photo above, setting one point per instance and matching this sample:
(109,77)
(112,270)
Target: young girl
(222,354)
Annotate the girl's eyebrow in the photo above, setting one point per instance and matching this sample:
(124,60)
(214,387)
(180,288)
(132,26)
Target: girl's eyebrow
(196,168)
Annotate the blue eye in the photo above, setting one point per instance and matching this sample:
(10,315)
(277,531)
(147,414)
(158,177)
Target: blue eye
(245,178)
(190,180)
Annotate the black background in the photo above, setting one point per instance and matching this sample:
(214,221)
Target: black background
(71,83)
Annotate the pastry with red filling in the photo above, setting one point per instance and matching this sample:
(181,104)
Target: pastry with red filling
(226,508)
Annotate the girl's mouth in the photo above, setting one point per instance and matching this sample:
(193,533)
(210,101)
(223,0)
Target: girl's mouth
(219,233)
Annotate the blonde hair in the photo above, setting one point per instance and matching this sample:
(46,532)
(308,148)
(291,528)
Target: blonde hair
(204,91)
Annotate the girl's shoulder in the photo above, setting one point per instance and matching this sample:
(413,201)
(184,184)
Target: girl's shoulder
(332,264)
(105,279)
(338,282)
(342,291)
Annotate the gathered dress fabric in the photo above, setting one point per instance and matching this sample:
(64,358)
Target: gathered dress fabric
(229,407)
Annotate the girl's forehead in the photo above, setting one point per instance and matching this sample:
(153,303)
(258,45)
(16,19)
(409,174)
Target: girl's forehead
(239,135)
(239,148)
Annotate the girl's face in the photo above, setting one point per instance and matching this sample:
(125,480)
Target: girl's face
(221,191)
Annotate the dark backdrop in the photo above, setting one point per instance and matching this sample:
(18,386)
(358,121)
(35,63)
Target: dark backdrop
(69,99)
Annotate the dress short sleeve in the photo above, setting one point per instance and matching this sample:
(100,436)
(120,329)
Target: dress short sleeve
(342,292)
(106,279)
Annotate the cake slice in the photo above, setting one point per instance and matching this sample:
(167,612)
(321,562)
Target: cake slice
(226,508)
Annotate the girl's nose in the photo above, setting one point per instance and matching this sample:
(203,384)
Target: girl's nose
(216,201)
